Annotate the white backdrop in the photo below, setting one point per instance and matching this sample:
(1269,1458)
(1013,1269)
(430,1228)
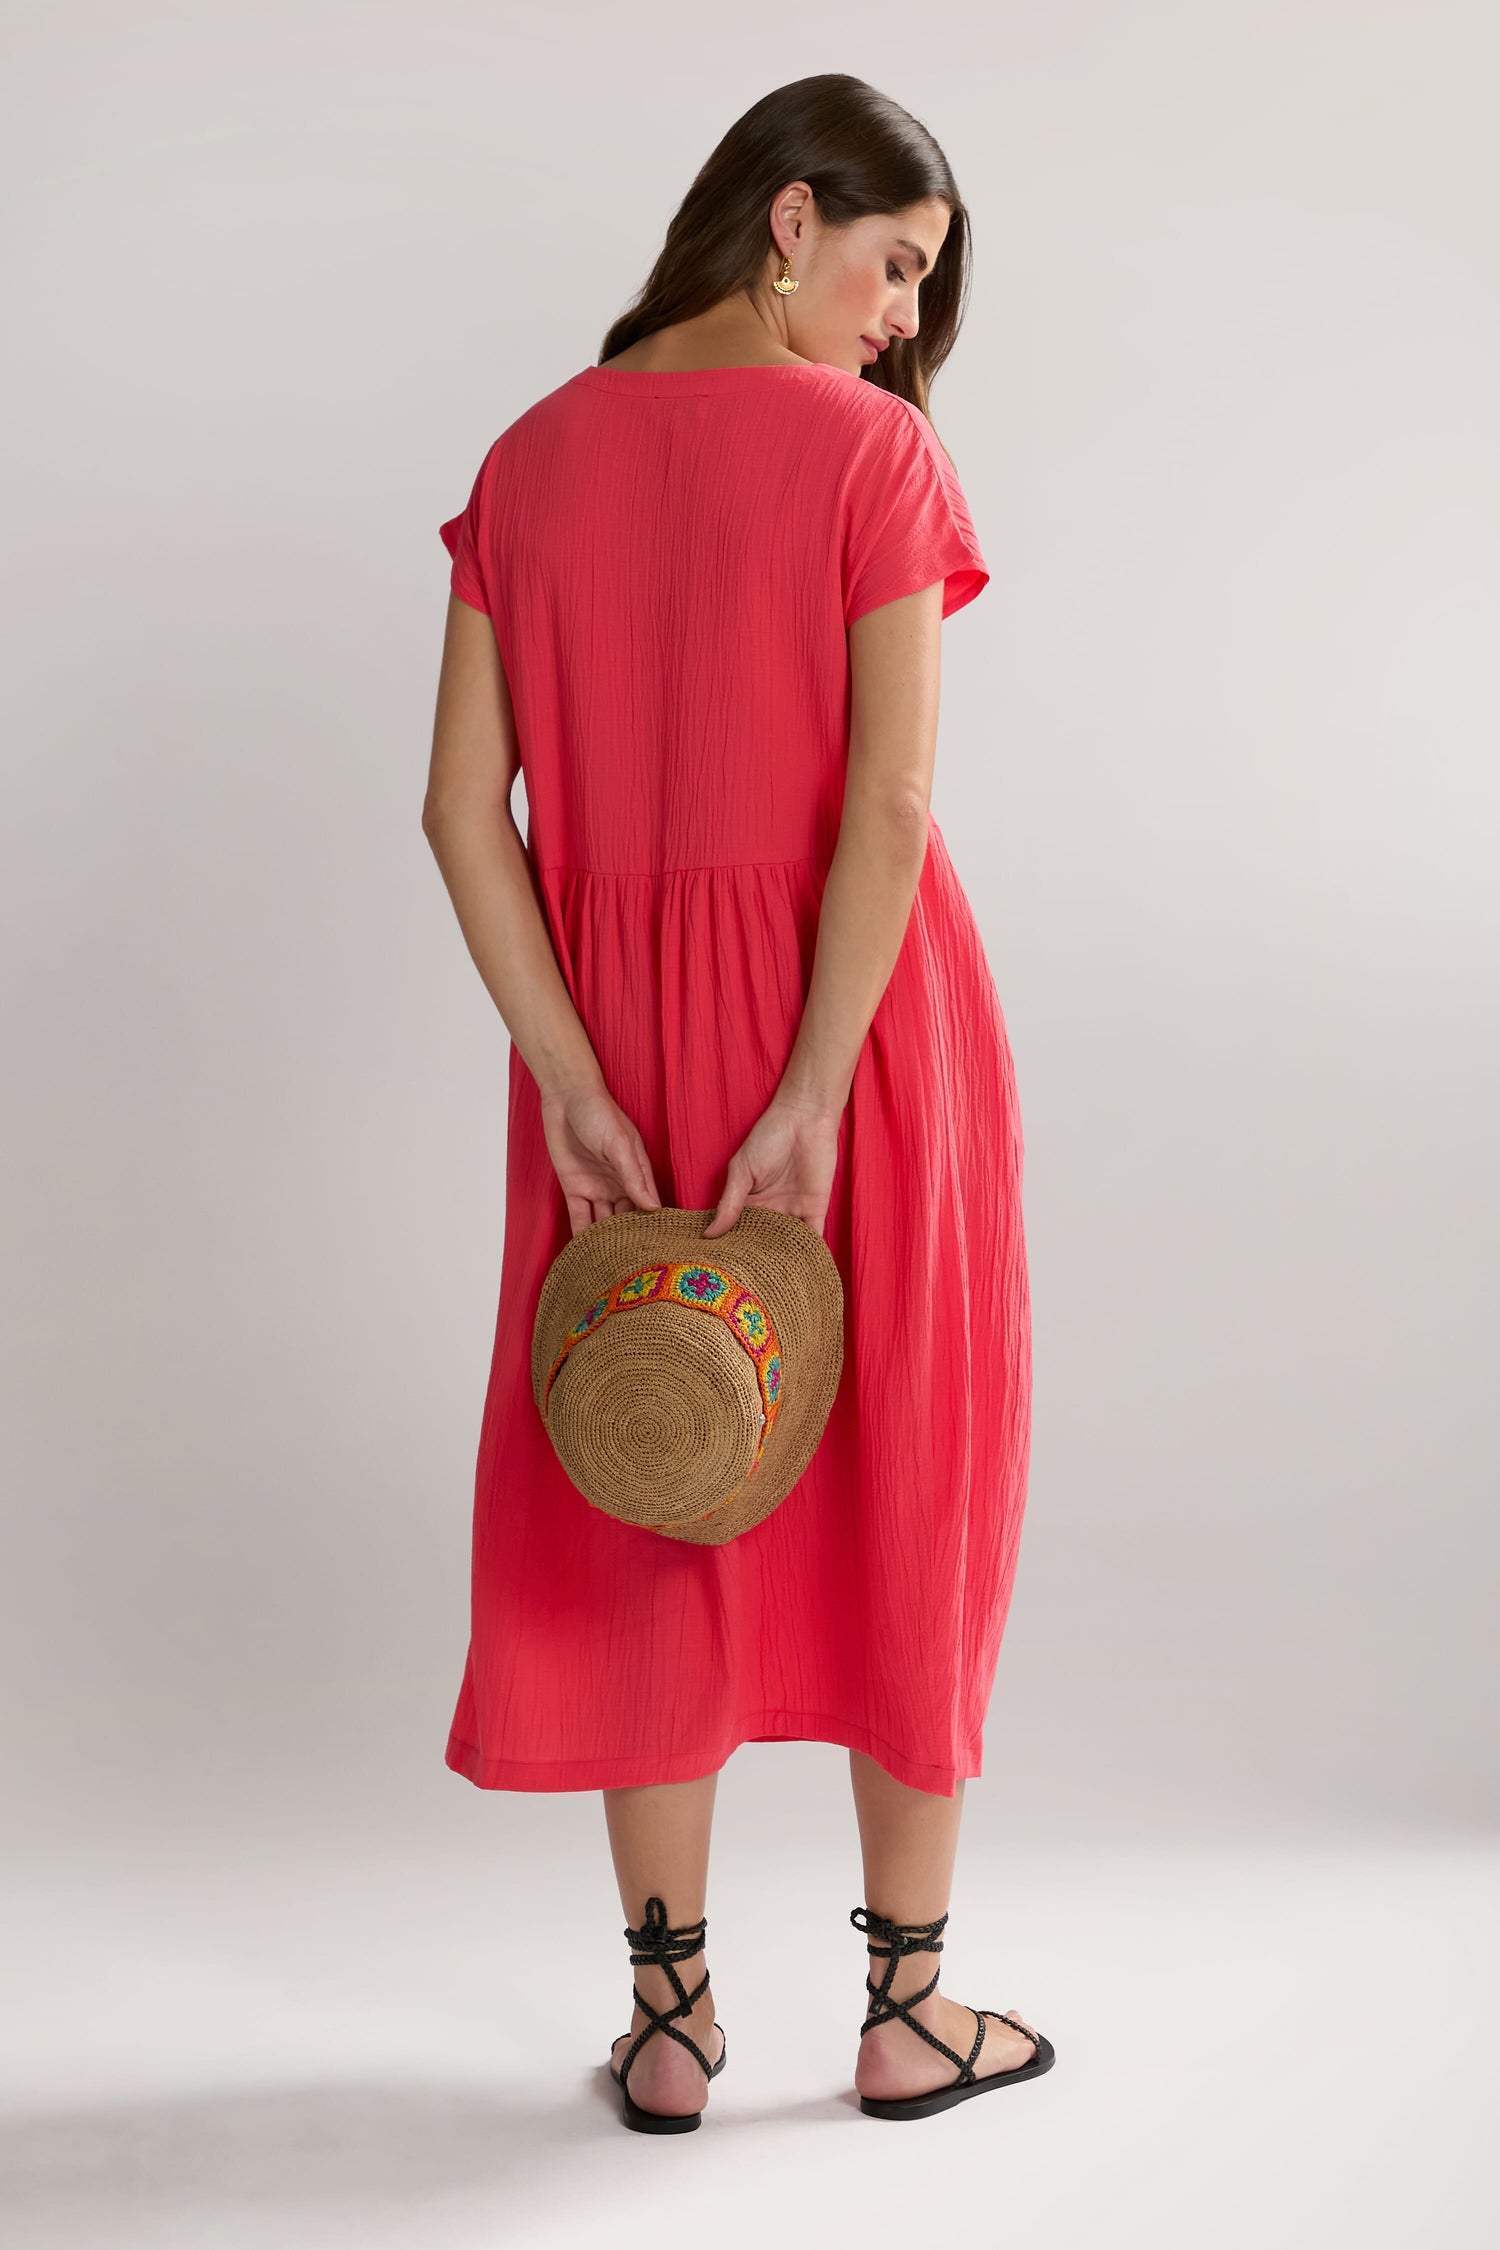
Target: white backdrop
(1217,767)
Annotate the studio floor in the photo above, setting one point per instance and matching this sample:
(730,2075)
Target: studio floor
(226,2041)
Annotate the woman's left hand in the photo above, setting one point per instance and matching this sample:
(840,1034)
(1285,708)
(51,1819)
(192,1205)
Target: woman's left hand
(786,1162)
(598,1156)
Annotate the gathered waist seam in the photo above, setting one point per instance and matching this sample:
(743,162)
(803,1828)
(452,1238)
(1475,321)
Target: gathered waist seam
(654,874)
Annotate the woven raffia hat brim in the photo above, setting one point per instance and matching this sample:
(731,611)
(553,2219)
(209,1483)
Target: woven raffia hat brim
(655,1413)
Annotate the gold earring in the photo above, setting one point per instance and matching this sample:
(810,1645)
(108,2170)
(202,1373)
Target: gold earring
(784,281)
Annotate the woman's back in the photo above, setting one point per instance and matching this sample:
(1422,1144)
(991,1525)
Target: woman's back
(671,562)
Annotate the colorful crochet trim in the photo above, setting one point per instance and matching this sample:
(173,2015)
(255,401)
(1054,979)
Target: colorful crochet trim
(706,1289)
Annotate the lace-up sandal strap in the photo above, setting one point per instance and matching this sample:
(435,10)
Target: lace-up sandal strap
(892,1942)
(658,1944)
(656,1940)
(1025,2034)
(898,1938)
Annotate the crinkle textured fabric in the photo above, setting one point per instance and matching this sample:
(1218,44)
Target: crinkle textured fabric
(670,562)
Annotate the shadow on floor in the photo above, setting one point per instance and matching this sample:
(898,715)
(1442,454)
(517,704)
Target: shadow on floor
(319,2163)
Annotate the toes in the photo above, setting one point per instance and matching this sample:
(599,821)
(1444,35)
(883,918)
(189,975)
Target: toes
(1011,2018)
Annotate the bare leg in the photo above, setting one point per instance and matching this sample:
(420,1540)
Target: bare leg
(909,1841)
(659,1837)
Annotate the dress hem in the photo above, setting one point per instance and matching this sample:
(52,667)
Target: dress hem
(466,1759)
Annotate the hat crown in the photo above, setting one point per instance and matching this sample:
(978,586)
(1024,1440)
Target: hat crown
(657,1420)
(685,1382)
(693,1285)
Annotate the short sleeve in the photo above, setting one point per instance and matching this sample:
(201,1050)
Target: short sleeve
(465,538)
(907,523)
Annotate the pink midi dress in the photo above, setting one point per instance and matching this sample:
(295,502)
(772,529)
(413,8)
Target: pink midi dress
(671,562)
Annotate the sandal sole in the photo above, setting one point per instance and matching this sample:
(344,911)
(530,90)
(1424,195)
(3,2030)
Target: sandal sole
(944,2097)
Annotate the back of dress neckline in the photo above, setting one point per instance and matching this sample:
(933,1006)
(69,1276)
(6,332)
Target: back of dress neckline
(660,382)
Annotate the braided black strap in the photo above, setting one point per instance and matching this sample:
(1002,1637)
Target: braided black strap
(891,1942)
(660,1945)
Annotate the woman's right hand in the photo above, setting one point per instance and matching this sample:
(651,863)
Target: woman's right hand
(598,1155)
(785,1163)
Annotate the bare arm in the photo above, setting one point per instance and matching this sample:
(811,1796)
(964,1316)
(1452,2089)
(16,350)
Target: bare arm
(894,656)
(787,1159)
(597,1152)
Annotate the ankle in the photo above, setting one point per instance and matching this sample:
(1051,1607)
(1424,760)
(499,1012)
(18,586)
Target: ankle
(926,2010)
(911,1973)
(929,2001)
(656,1986)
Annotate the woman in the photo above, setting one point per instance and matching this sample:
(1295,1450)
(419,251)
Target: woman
(696,599)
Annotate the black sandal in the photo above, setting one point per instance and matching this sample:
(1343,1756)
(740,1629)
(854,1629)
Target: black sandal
(660,1945)
(892,1941)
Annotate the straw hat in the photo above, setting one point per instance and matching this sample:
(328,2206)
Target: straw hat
(685,1384)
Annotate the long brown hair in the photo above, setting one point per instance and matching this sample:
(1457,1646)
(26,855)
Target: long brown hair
(859,152)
